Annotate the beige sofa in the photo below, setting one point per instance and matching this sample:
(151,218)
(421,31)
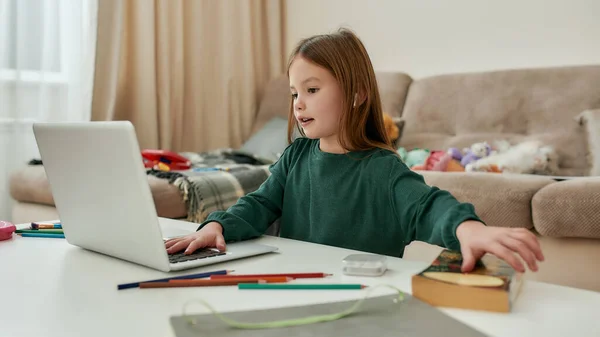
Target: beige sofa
(561,107)
(555,105)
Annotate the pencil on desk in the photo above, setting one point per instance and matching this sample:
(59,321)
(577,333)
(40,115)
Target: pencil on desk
(196,283)
(292,275)
(300,286)
(35,225)
(272,279)
(183,277)
(40,231)
(42,235)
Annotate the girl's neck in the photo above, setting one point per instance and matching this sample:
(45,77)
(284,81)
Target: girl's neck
(331,145)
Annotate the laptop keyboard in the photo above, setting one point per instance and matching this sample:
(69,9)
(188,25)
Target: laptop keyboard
(199,254)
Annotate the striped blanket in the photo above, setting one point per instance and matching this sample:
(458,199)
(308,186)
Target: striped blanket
(216,180)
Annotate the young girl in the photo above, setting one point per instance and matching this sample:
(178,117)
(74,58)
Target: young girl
(342,183)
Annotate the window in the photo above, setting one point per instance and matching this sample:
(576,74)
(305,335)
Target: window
(47,52)
(37,37)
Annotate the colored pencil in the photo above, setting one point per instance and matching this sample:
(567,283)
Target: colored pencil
(271,279)
(40,231)
(300,286)
(35,225)
(42,235)
(292,275)
(195,283)
(208,169)
(167,279)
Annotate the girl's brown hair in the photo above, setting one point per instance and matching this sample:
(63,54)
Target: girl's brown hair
(345,57)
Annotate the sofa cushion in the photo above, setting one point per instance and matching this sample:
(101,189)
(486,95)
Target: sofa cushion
(270,141)
(30,185)
(501,200)
(568,208)
(457,110)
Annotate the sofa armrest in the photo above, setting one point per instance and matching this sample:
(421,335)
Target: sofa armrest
(590,120)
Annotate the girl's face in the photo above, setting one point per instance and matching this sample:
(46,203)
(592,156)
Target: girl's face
(317,101)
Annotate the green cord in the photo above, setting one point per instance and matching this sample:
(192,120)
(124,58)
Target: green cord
(287,322)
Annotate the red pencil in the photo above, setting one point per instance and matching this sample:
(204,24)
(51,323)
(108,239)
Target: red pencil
(292,275)
(269,279)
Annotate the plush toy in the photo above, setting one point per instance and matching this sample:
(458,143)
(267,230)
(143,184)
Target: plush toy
(527,157)
(413,157)
(440,161)
(455,153)
(476,152)
(391,128)
(403,153)
(545,161)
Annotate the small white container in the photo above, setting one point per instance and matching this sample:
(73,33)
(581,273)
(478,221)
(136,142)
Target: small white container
(364,265)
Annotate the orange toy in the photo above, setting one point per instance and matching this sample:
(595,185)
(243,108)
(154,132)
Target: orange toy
(390,127)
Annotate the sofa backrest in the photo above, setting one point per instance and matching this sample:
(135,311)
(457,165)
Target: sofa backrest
(458,110)
(276,99)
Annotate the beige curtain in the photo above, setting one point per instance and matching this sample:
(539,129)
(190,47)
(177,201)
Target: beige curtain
(188,74)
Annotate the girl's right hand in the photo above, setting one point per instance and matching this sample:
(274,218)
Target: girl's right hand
(210,236)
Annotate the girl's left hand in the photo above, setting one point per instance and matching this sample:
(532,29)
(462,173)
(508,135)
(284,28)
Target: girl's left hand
(476,239)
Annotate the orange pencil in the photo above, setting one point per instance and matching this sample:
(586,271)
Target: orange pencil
(270,279)
(292,275)
(195,283)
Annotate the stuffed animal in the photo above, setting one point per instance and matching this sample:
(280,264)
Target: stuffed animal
(403,153)
(527,157)
(455,153)
(391,128)
(476,152)
(545,161)
(413,157)
(440,161)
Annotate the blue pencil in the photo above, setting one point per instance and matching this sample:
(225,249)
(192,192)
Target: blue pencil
(183,277)
(42,235)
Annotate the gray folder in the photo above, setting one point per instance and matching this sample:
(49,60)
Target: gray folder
(378,316)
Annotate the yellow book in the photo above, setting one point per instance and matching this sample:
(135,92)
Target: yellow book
(493,285)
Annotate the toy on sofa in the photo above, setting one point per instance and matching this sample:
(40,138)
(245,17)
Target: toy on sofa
(440,161)
(165,160)
(455,154)
(531,157)
(415,157)
(471,154)
(391,128)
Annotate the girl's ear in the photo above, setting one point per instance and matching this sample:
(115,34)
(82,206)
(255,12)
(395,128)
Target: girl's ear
(359,99)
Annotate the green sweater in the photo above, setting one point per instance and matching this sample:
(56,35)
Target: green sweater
(368,201)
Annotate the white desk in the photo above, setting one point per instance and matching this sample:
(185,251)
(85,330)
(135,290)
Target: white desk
(51,288)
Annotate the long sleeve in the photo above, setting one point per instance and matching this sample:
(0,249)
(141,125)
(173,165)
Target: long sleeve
(252,214)
(427,213)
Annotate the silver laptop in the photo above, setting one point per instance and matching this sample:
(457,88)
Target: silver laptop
(101,192)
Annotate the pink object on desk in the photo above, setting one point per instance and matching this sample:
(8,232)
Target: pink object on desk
(6,230)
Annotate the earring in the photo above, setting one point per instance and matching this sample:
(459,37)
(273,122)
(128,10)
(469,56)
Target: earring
(354,104)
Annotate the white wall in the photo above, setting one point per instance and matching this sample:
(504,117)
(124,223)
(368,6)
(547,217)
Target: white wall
(426,37)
